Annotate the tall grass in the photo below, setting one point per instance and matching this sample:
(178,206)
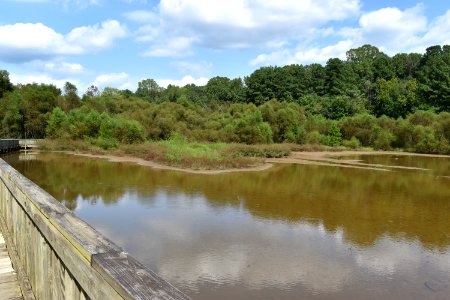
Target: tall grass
(180,152)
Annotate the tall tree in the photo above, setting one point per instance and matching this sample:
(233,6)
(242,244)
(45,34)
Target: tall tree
(5,83)
(71,98)
(396,97)
(92,91)
(340,79)
(369,63)
(434,77)
(149,90)
(225,90)
(405,65)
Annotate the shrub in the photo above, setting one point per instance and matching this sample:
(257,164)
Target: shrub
(315,138)
(383,140)
(334,137)
(353,143)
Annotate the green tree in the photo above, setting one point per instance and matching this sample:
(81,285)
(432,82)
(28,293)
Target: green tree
(340,79)
(406,65)
(37,101)
(5,83)
(71,98)
(334,136)
(434,77)
(223,89)
(57,124)
(395,97)
(11,125)
(149,90)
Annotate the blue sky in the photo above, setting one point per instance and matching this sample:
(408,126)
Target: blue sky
(120,42)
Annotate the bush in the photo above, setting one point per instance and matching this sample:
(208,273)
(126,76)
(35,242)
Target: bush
(353,143)
(315,138)
(334,137)
(383,140)
(249,129)
(265,151)
(57,124)
(360,126)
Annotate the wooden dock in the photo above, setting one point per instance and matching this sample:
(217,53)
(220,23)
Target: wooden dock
(9,286)
(58,256)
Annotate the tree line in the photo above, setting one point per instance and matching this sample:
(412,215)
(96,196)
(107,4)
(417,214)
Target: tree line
(370,99)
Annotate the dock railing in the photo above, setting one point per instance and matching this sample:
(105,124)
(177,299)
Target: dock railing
(7,145)
(62,256)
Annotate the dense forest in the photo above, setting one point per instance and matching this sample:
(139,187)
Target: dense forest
(369,100)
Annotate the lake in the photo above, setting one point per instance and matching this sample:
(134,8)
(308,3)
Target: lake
(289,232)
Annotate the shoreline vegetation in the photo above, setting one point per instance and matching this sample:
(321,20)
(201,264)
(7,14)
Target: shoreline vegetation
(202,158)
(368,101)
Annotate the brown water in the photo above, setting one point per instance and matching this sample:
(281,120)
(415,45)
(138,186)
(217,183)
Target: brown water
(291,232)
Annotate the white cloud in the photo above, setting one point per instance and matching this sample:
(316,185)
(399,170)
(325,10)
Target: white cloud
(65,3)
(97,37)
(197,68)
(41,78)
(120,80)
(234,24)
(183,81)
(175,47)
(79,3)
(28,1)
(23,42)
(257,15)
(64,68)
(303,56)
(147,33)
(438,31)
(390,29)
(141,16)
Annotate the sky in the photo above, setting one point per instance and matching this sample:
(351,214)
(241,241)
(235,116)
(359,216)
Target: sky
(118,43)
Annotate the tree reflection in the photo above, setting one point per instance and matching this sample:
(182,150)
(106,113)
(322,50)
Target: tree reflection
(365,204)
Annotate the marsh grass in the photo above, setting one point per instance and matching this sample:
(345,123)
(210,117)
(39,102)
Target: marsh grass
(178,151)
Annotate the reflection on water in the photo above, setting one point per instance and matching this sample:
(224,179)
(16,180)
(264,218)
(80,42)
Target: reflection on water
(290,232)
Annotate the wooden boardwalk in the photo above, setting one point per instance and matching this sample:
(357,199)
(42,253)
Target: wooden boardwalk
(9,286)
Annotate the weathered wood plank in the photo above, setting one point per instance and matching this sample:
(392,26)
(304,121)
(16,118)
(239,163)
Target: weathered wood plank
(10,290)
(64,257)
(21,278)
(9,286)
(135,281)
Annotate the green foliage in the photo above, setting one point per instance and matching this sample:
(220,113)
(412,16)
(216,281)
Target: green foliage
(369,100)
(338,107)
(265,151)
(316,138)
(334,136)
(57,123)
(353,143)
(249,129)
(395,97)
(98,128)
(5,83)
(223,89)
(12,118)
(284,119)
(434,77)
(149,90)
(360,126)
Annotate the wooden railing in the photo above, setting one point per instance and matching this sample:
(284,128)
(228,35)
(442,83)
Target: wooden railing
(62,256)
(28,143)
(9,145)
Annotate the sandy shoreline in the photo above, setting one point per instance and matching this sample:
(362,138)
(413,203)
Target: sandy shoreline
(155,165)
(304,158)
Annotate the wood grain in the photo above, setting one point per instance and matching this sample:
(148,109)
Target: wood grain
(63,256)
(9,286)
